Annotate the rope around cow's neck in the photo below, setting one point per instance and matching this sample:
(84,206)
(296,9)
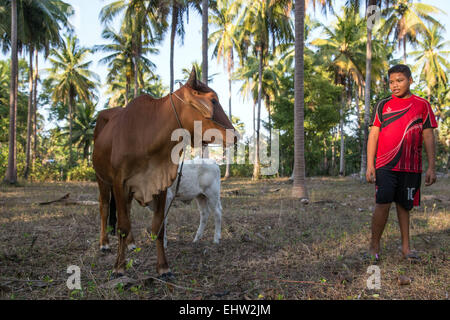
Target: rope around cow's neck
(181,167)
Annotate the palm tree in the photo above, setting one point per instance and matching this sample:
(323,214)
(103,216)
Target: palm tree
(40,21)
(72,77)
(355,5)
(142,20)
(205,41)
(431,60)
(344,48)
(226,41)
(121,60)
(265,21)
(406,19)
(117,87)
(178,9)
(83,128)
(11,171)
(299,189)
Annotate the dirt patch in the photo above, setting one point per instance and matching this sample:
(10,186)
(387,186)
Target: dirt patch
(272,247)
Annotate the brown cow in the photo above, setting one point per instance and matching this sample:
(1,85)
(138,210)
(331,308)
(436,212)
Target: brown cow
(132,156)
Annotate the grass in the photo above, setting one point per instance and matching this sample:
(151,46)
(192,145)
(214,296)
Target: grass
(272,247)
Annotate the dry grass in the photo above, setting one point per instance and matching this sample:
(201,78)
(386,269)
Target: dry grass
(272,247)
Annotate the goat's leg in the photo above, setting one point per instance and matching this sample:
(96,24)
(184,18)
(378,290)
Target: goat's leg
(217,221)
(204,214)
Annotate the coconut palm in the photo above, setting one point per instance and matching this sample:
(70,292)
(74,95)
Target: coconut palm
(143,21)
(225,43)
(355,5)
(118,86)
(121,60)
(205,41)
(83,128)
(40,23)
(344,48)
(265,23)
(432,59)
(72,77)
(405,20)
(11,171)
(178,8)
(299,189)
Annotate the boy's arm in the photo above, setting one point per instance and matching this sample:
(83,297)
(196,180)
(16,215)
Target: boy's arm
(371,151)
(428,139)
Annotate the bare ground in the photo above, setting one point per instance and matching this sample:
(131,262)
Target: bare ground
(272,247)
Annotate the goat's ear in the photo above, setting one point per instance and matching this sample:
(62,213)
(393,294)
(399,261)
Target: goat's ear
(192,81)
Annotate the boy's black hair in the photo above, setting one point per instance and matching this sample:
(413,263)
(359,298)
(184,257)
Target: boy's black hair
(400,68)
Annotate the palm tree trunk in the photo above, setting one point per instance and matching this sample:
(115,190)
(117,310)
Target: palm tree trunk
(333,152)
(366,102)
(404,49)
(341,133)
(299,189)
(325,157)
(127,89)
(86,151)
(205,41)
(270,122)
(35,104)
(256,165)
(205,151)
(172,41)
(358,117)
(11,172)
(227,169)
(71,98)
(136,72)
(254,120)
(29,115)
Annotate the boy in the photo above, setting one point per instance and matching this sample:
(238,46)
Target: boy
(399,125)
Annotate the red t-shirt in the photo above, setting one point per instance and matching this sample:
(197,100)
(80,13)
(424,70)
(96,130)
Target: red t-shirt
(401,122)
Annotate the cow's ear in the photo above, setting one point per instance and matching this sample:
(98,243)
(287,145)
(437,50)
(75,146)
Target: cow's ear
(192,81)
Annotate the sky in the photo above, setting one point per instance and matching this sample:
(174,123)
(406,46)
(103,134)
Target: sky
(88,29)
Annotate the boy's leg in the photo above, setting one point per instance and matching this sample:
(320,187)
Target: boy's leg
(403,221)
(407,196)
(379,219)
(386,182)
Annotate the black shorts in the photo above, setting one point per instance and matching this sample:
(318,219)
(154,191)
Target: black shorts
(400,187)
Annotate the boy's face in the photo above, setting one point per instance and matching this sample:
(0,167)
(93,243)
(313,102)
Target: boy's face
(399,84)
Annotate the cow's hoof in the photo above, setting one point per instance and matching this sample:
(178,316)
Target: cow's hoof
(105,249)
(131,247)
(168,276)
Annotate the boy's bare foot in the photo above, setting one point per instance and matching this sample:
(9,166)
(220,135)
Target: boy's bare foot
(410,255)
(370,257)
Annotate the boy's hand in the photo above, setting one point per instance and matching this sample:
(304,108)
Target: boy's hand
(430,177)
(370,174)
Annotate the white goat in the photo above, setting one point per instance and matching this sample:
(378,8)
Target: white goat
(200,180)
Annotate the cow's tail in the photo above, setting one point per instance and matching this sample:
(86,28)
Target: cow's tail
(112,218)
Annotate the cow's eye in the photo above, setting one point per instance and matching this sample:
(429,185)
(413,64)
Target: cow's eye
(214,101)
